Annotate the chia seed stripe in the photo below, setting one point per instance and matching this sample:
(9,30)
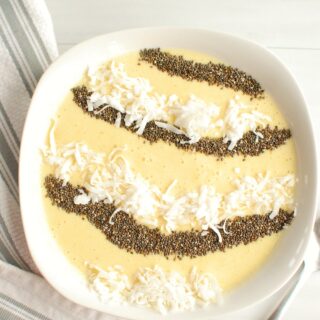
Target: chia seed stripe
(127,234)
(247,146)
(212,73)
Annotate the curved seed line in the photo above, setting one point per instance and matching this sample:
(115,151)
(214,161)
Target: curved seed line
(127,234)
(212,73)
(247,146)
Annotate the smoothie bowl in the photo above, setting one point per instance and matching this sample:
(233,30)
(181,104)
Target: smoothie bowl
(167,171)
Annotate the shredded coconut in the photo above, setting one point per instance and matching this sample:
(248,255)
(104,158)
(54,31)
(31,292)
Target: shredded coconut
(236,123)
(129,95)
(111,179)
(118,120)
(81,198)
(169,127)
(111,285)
(205,287)
(162,291)
(155,288)
(194,118)
(262,194)
(71,158)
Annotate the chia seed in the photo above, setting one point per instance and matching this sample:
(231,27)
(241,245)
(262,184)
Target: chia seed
(126,233)
(212,73)
(247,146)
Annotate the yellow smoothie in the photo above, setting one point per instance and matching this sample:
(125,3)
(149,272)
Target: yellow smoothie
(161,163)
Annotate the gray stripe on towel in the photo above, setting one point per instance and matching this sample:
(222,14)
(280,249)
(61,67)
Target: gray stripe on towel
(22,310)
(24,43)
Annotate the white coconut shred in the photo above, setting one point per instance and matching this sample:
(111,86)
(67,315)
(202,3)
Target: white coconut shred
(136,98)
(154,288)
(109,178)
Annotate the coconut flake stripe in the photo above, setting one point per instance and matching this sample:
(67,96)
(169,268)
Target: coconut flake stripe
(154,288)
(127,234)
(136,98)
(110,179)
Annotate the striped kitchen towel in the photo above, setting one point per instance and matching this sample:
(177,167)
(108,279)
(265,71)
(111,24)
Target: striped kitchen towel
(27,47)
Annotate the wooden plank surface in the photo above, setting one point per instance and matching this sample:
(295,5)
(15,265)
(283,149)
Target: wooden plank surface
(291,29)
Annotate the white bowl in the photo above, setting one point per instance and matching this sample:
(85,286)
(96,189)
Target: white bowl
(246,55)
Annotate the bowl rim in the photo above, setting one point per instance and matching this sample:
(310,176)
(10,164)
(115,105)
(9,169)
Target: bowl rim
(209,32)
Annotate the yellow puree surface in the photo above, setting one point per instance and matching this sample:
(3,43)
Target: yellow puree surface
(161,164)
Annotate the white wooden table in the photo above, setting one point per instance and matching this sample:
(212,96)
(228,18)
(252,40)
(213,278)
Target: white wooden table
(291,29)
